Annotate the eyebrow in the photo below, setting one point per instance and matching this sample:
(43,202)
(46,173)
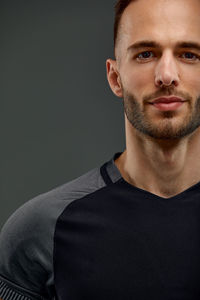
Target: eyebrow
(152,44)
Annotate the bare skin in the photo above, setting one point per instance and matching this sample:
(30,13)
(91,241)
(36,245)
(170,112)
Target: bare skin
(160,164)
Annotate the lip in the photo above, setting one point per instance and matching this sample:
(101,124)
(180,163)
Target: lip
(167,100)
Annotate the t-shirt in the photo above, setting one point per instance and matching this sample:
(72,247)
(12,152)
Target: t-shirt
(98,238)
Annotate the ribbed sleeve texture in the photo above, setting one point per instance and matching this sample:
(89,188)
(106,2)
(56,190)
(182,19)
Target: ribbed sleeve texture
(8,294)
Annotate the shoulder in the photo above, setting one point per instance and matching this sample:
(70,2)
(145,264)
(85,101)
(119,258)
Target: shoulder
(26,240)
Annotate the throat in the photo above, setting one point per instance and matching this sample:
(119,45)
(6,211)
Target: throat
(166,177)
(161,188)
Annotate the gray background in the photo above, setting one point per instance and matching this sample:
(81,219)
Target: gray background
(58,116)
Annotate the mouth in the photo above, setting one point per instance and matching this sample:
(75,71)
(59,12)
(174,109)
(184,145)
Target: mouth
(168,103)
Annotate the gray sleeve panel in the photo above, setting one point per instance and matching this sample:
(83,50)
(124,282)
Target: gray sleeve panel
(26,240)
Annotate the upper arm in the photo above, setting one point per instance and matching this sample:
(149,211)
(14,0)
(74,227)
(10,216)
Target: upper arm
(25,255)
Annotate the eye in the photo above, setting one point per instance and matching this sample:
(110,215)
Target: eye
(144,55)
(190,56)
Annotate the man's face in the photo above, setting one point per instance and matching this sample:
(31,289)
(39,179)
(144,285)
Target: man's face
(167,68)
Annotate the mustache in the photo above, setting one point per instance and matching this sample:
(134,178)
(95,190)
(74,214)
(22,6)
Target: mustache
(167,92)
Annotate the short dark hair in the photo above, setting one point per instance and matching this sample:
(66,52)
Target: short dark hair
(120,6)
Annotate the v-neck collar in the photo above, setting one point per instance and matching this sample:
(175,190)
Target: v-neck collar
(113,175)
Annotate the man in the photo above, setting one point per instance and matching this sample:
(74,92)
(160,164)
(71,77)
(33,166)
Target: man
(131,228)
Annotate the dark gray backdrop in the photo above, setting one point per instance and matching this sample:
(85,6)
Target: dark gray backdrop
(59,118)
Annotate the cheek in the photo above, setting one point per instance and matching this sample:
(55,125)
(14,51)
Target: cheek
(141,83)
(137,81)
(192,81)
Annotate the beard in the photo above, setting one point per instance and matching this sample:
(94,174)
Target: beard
(167,127)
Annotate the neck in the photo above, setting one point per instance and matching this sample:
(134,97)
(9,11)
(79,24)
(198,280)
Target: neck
(162,167)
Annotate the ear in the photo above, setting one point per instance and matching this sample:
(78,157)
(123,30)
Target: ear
(113,77)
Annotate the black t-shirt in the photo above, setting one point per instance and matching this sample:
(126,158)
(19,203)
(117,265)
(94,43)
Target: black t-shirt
(98,237)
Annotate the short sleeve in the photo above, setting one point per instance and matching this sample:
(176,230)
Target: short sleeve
(26,246)
(27,240)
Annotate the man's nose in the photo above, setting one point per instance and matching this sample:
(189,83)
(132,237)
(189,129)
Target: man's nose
(166,72)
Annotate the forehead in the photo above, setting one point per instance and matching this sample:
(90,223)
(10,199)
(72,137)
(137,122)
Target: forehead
(165,21)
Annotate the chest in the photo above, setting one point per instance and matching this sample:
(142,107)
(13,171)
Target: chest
(127,252)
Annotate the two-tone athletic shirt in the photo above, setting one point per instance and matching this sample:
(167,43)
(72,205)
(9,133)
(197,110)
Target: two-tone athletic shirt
(98,238)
